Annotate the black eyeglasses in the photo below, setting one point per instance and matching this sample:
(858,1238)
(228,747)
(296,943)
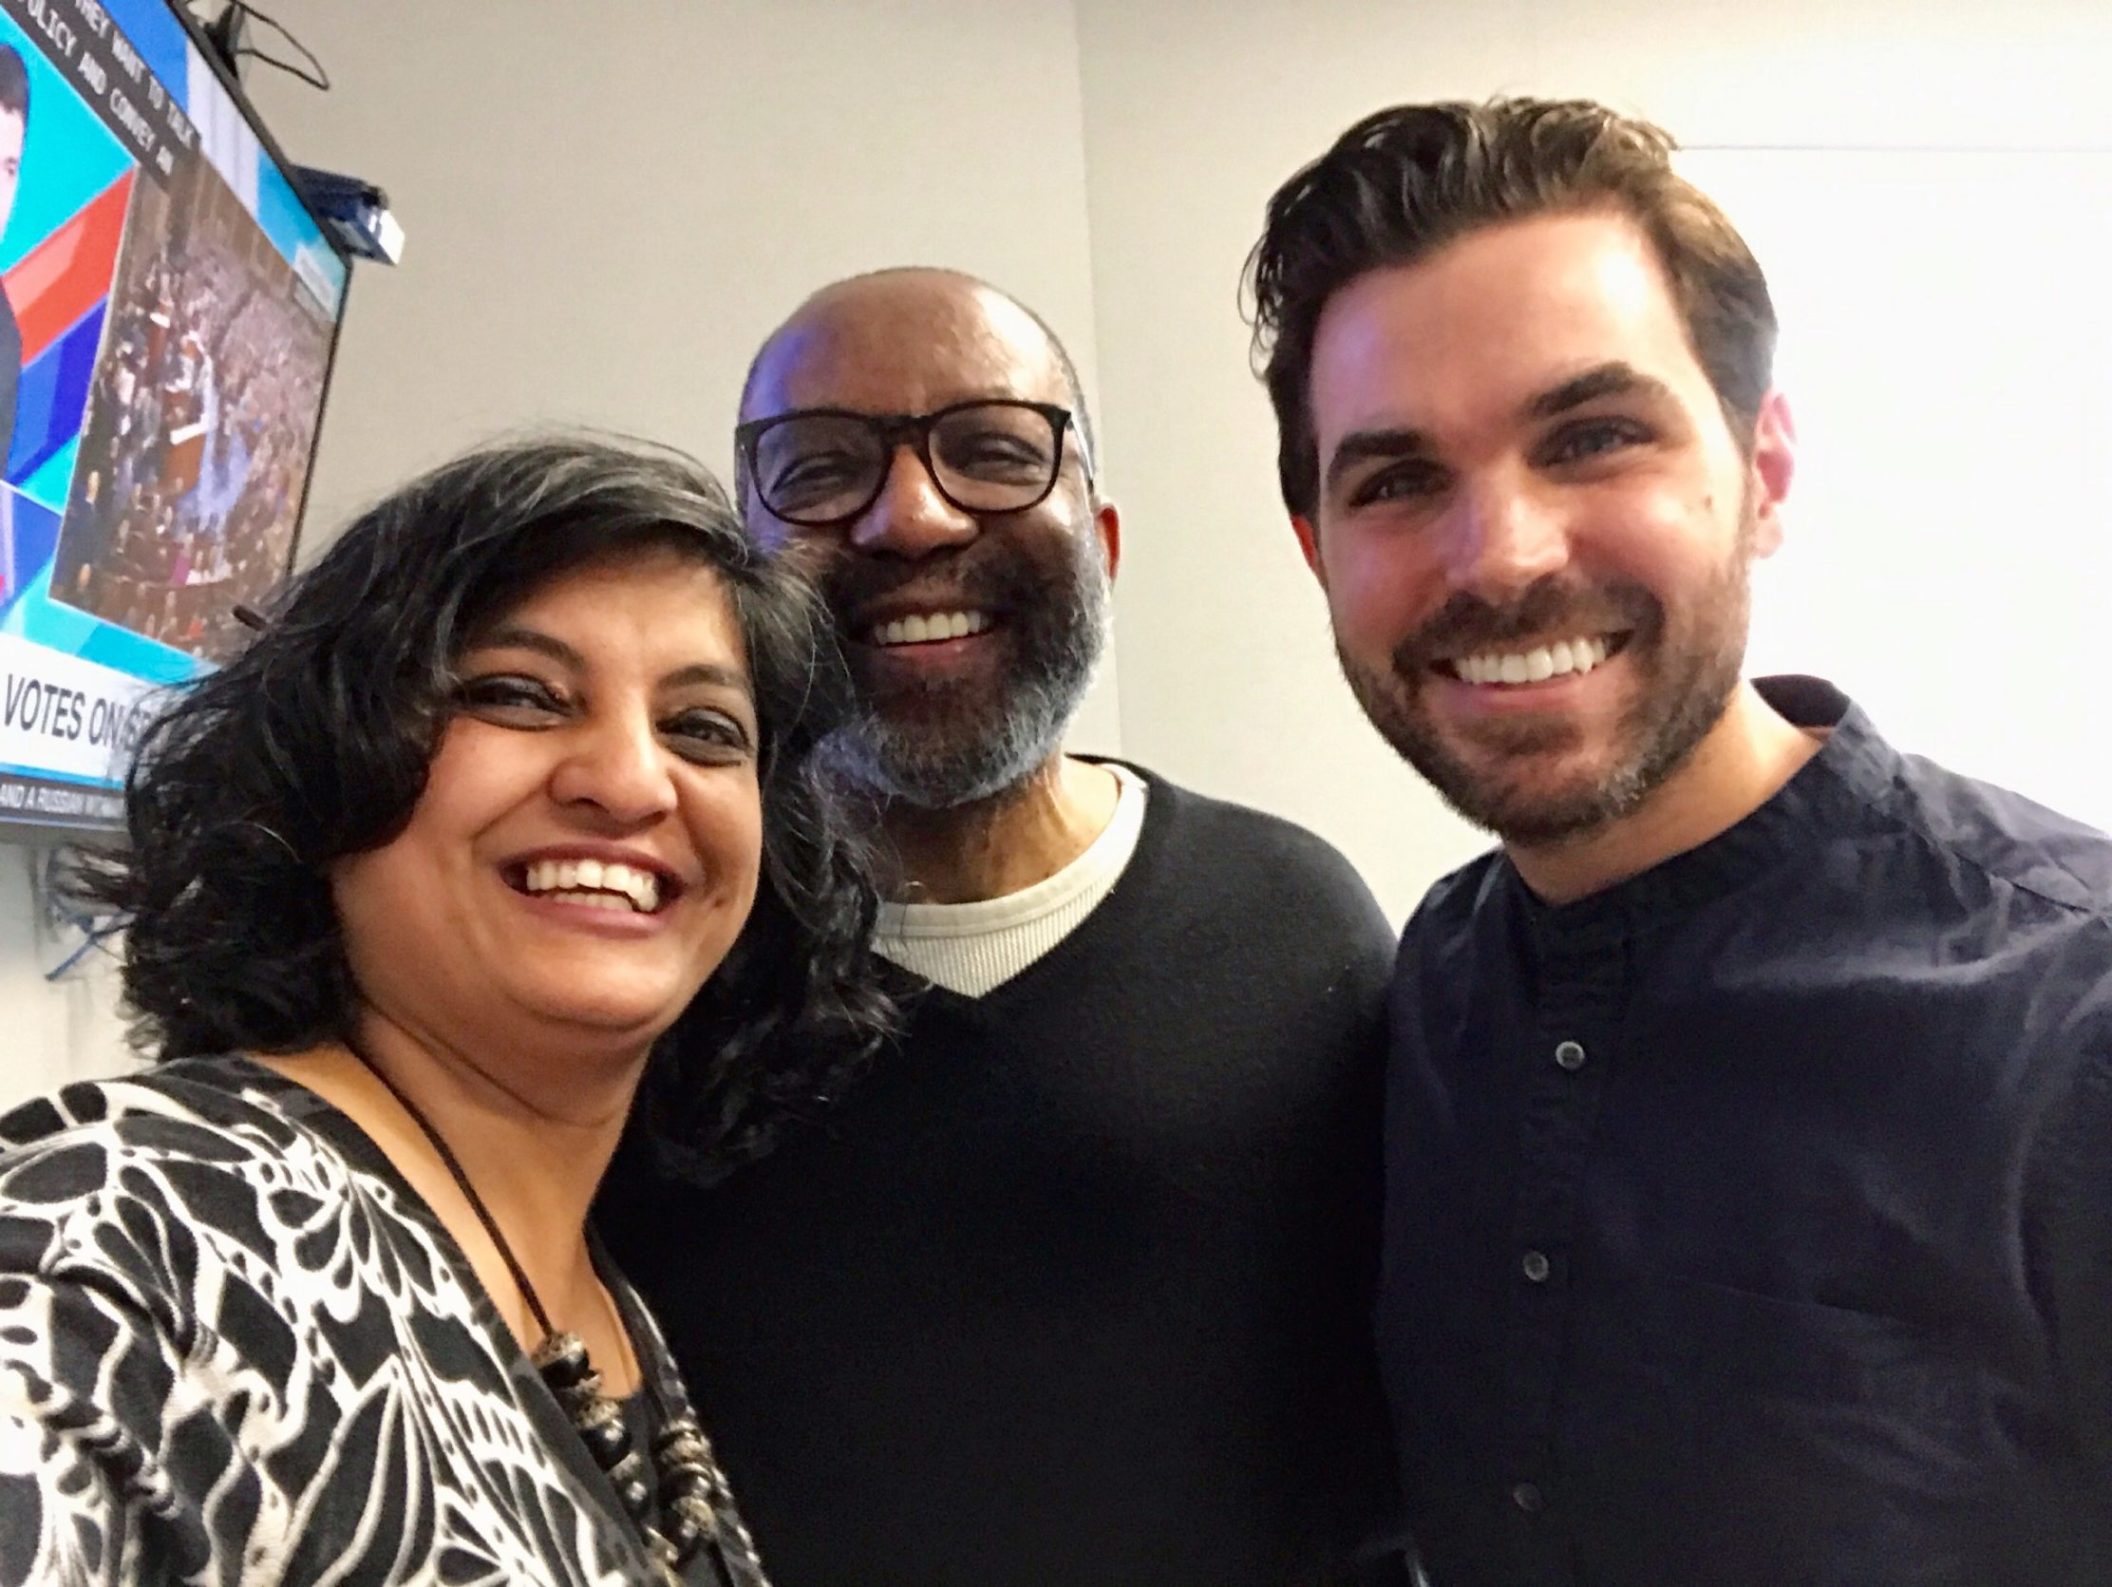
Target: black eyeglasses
(820,467)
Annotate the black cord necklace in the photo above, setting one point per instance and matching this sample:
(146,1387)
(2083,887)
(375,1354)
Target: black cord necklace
(691,1488)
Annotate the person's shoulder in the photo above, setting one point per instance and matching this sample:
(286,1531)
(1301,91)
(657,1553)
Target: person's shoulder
(1256,908)
(1215,830)
(221,1109)
(205,1146)
(2013,840)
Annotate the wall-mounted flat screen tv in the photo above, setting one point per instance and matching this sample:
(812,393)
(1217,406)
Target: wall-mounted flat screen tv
(169,308)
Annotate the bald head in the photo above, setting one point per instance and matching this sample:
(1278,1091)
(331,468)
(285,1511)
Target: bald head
(943,333)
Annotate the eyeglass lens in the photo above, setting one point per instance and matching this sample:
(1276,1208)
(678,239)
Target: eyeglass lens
(985,457)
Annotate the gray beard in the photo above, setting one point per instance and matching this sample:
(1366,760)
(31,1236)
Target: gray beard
(977,756)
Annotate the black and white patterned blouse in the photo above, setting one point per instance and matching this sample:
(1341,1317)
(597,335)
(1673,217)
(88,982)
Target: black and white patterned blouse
(236,1347)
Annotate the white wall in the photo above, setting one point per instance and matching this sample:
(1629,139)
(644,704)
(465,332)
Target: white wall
(1193,116)
(607,207)
(1948,348)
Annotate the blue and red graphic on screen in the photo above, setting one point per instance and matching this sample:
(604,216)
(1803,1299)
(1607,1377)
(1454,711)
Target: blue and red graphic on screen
(168,310)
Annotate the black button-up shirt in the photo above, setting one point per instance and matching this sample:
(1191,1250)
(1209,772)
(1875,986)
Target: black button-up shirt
(1751,1221)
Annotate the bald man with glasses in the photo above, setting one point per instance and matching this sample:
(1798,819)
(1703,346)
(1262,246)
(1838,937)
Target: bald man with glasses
(1073,1285)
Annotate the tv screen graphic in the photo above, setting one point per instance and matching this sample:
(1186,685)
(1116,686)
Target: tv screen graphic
(168,312)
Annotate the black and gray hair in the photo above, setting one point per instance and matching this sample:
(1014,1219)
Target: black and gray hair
(315,741)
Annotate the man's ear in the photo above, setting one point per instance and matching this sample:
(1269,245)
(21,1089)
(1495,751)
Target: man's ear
(1309,543)
(1109,524)
(1773,469)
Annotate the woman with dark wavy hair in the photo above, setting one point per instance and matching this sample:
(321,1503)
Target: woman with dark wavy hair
(503,824)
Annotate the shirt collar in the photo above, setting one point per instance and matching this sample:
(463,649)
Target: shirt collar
(1838,784)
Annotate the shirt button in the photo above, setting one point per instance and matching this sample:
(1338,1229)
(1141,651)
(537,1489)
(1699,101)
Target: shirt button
(1569,1055)
(1528,1498)
(1535,1267)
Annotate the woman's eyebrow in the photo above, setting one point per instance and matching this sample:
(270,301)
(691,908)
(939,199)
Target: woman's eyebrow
(712,672)
(516,638)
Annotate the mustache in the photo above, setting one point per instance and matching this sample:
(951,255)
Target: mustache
(1468,623)
(979,575)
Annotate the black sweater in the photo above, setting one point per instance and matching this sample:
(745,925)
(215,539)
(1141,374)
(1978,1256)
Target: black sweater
(1074,1287)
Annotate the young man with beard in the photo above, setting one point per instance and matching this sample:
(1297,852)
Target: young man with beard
(1749,1218)
(1072,1288)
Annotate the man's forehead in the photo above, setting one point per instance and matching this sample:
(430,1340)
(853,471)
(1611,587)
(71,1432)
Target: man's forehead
(1496,320)
(903,347)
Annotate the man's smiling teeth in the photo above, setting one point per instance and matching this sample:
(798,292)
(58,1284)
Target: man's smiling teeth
(1531,666)
(922,629)
(601,884)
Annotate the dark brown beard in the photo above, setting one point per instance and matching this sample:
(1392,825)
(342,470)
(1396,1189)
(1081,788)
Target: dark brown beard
(1688,678)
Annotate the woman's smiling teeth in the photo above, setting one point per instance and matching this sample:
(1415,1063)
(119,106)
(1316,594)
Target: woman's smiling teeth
(600,884)
(1531,666)
(923,628)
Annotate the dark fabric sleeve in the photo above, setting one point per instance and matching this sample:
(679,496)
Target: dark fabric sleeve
(2073,1259)
(117,1463)
(2079,1252)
